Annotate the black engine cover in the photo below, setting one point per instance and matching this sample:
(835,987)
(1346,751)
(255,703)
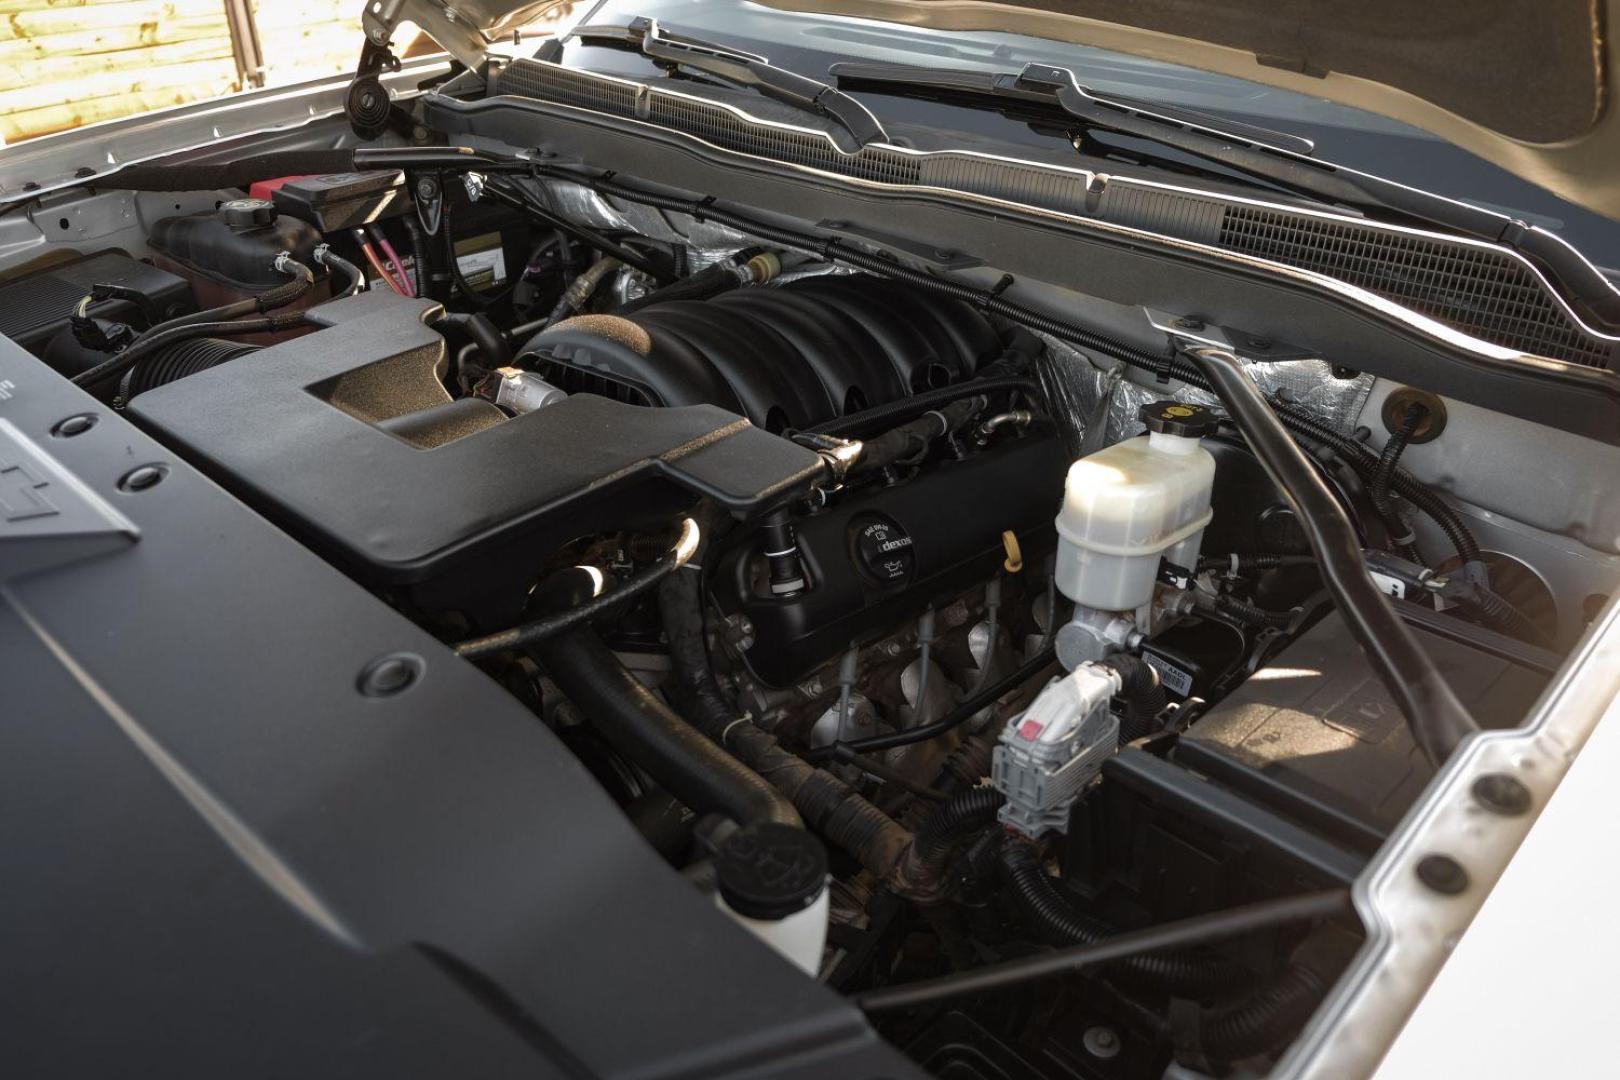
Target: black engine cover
(301,430)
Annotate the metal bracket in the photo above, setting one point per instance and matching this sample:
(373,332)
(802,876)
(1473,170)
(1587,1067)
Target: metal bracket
(457,32)
(1190,330)
(367,104)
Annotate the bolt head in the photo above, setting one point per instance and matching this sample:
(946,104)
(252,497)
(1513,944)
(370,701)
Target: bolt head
(1443,874)
(389,675)
(1101,1042)
(142,478)
(1502,794)
(74,425)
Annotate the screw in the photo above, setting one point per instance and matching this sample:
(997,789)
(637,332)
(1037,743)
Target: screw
(389,675)
(1101,1042)
(142,478)
(1502,794)
(427,189)
(1443,874)
(74,425)
(1189,322)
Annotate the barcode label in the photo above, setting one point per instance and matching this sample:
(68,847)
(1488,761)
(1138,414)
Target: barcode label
(1172,677)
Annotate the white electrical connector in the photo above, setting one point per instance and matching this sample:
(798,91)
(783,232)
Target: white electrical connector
(1051,750)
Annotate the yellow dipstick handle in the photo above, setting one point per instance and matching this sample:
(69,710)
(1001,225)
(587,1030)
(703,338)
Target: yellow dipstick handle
(1015,557)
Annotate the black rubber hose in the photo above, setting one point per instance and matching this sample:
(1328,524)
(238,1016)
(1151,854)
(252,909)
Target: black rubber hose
(1050,914)
(951,822)
(1141,691)
(1265,1019)
(893,412)
(1364,461)
(431,281)
(356,277)
(1436,717)
(958,817)
(1254,616)
(703,285)
(1494,611)
(1384,475)
(969,707)
(1248,564)
(828,806)
(458,282)
(133,355)
(302,281)
(910,441)
(645,730)
(549,626)
(493,348)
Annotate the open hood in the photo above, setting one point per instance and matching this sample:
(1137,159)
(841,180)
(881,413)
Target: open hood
(1525,86)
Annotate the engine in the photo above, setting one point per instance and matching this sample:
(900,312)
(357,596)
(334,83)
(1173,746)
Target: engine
(893,618)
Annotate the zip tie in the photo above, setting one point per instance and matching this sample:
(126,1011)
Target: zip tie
(994,292)
(725,733)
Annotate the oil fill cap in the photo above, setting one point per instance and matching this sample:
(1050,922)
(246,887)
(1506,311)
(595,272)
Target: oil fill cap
(247,213)
(883,549)
(1181,418)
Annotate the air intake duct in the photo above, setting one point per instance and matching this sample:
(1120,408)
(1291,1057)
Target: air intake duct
(178,361)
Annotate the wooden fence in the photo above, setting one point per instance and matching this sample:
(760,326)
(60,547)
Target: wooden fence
(65,63)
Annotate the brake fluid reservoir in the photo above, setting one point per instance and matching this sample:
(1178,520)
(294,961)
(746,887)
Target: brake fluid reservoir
(1134,503)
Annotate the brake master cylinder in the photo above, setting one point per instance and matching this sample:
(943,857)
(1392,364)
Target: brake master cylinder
(1133,514)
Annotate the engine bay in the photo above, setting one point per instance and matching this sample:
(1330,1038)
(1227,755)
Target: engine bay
(921,633)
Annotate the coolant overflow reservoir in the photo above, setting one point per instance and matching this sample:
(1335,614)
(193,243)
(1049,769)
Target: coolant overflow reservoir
(1134,503)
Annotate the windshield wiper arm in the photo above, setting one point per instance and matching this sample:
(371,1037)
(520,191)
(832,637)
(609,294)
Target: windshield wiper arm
(1253,151)
(645,36)
(1042,84)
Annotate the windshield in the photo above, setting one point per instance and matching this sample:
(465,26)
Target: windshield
(810,43)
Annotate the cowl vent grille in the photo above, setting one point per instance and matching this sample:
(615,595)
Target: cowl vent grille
(1483,292)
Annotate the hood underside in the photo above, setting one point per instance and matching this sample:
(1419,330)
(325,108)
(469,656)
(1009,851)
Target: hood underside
(1525,86)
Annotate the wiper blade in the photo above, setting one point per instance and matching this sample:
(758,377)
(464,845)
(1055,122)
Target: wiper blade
(1042,84)
(645,36)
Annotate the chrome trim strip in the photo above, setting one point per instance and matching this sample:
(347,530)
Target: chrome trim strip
(1088,176)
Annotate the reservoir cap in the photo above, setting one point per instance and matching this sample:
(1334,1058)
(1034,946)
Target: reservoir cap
(1179,418)
(770,871)
(247,213)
